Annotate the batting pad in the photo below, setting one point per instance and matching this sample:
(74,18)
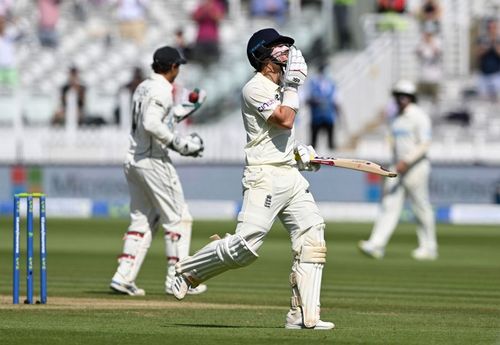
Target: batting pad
(135,248)
(307,271)
(216,257)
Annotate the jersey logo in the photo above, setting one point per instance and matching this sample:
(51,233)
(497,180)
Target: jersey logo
(266,105)
(267,202)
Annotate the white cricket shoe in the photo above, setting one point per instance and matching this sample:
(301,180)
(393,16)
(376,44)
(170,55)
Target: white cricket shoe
(369,250)
(180,287)
(294,321)
(126,288)
(424,254)
(191,291)
(170,279)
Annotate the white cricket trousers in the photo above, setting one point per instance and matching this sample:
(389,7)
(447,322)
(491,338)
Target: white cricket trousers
(154,193)
(415,185)
(272,192)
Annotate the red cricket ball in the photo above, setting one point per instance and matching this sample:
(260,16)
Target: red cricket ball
(193,97)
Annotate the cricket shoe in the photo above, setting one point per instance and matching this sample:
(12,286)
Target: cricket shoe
(126,288)
(180,287)
(423,254)
(170,279)
(369,250)
(294,321)
(191,291)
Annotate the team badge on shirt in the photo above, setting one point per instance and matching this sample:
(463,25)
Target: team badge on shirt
(267,202)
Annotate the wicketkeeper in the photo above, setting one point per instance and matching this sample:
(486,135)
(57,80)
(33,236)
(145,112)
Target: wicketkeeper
(272,184)
(156,195)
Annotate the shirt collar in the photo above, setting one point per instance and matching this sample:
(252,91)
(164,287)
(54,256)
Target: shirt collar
(161,79)
(268,82)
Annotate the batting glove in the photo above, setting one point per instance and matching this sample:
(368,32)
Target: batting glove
(296,69)
(303,156)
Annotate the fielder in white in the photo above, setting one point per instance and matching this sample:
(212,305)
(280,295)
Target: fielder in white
(272,184)
(411,139)
(156,196)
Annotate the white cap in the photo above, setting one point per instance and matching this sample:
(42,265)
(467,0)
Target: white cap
(405,87)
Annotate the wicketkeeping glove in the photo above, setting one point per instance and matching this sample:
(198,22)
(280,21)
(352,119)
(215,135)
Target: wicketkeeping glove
(190,145)
(296,69)
(303,156)
(191,101)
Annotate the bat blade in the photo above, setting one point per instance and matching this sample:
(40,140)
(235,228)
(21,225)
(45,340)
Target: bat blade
(355,164)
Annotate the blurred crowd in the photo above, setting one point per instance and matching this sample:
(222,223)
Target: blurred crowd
(132,19)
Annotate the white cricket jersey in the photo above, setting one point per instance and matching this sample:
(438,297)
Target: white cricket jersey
(411,131)
(266,144)
(152,127)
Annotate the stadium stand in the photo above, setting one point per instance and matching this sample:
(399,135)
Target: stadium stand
(93,44)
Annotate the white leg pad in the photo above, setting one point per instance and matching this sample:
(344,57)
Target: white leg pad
(307,271)
(135,248)
(216,257)
(178,238)
(177,243)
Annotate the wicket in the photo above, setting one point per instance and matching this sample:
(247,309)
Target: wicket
(29,248)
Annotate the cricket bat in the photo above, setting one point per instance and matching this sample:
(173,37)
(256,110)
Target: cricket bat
(355,164)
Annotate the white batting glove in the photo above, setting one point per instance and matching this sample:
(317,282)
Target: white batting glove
(191,101)
(296,69)
(190,145)
(303,156)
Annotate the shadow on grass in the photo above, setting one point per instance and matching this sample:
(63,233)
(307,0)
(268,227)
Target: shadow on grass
(217,326)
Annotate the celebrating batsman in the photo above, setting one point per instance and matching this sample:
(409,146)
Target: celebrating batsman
(156,196)
(273,187)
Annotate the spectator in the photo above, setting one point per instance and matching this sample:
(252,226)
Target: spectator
(341,11)
(80,10)
(429,15)
(5,8)
(322,100)
(132,19)
(8,70)
(272,9)
(387,6)
(488,57)
(129,88)
(74,84)
(429,53)
(390,11)
(48,18)
(207,16)
(181,45)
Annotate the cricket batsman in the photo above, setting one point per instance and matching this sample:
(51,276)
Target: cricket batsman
(156,195)
(273,187)
(411,139)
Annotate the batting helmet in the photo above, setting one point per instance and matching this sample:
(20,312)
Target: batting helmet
(260,45)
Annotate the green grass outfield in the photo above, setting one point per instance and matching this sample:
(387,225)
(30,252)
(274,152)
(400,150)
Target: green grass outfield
(454,300)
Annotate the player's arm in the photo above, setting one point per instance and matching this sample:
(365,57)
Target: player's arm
(152,121)
(294,76)
(190,145)
(283,117)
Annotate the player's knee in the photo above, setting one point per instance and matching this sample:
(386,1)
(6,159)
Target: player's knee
(235,251)
(252,234)
(312,247)
(186,216)
(136,238)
